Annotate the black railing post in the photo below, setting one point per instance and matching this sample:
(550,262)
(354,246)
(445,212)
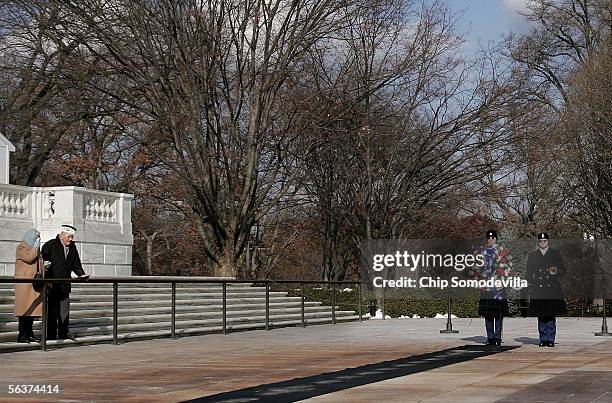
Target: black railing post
(333,303)
(267,305)
(173,319)
(115,310)
(360,315)
(45,308)
(382,305)
(303,298)
(449,323)
(224,308)
(604,323)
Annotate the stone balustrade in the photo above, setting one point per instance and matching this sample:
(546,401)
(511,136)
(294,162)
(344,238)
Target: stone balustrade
(100,208)
(103,221)
(15,203)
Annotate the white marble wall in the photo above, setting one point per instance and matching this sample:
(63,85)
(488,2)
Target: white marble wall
(103,221)
(6,147)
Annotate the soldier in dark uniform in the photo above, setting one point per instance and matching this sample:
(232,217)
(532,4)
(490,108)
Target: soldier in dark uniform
(493,303)
(546,301)
(61,259)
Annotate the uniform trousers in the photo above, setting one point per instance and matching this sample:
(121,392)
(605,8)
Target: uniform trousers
(493,325)
(547,327)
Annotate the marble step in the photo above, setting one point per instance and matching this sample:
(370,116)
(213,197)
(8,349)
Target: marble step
(205,304)
(123,289)
(85,284)
(132,317)
(6,317)
(192,331)
(145,311)
(81,330)
(75,297)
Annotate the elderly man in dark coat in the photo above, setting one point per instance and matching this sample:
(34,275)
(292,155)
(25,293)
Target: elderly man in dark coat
(546,301)
(61,259)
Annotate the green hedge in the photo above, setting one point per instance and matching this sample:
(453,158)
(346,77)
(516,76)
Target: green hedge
(415,302)
(395,305)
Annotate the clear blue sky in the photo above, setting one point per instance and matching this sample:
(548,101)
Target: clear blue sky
(487,20)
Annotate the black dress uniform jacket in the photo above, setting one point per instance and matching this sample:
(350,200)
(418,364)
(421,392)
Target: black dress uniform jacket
(53,251)
(545,292)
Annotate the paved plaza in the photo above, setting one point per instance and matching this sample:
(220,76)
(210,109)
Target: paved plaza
(398,360)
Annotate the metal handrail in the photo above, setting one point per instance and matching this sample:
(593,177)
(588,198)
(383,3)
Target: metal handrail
(174,280)
(355,306)
(167,280)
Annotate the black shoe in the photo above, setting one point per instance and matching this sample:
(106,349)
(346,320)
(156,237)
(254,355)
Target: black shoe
(67,336)
(498,342)
(543,344)
(36,339)
(490,342)
(551,344)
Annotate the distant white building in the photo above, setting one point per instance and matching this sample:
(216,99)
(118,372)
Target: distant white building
(103,221)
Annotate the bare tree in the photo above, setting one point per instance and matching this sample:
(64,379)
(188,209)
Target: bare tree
(207,75)
(41,74)
(565,34)
(401,124)
(587,125)
(538,176)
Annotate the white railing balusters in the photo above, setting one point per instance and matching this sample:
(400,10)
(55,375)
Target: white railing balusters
(14,204)
(100,208)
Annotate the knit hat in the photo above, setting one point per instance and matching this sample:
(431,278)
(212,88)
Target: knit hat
(30,237)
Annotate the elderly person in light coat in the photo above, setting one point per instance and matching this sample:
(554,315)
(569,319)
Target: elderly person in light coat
(28,303)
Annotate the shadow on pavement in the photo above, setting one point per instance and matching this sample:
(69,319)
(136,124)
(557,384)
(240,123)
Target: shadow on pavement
(476,339)
(527,340)
(304,388)
(571,386)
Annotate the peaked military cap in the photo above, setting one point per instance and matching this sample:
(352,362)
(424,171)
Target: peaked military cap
(491,234)
(543,235)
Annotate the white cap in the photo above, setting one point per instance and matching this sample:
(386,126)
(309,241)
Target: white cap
(68,229)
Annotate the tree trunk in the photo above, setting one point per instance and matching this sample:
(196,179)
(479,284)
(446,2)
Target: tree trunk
(149,255)
(227,265)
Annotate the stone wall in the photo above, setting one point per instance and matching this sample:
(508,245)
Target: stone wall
(103,221)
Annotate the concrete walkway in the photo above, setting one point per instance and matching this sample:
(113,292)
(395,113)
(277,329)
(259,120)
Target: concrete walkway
(578,369)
